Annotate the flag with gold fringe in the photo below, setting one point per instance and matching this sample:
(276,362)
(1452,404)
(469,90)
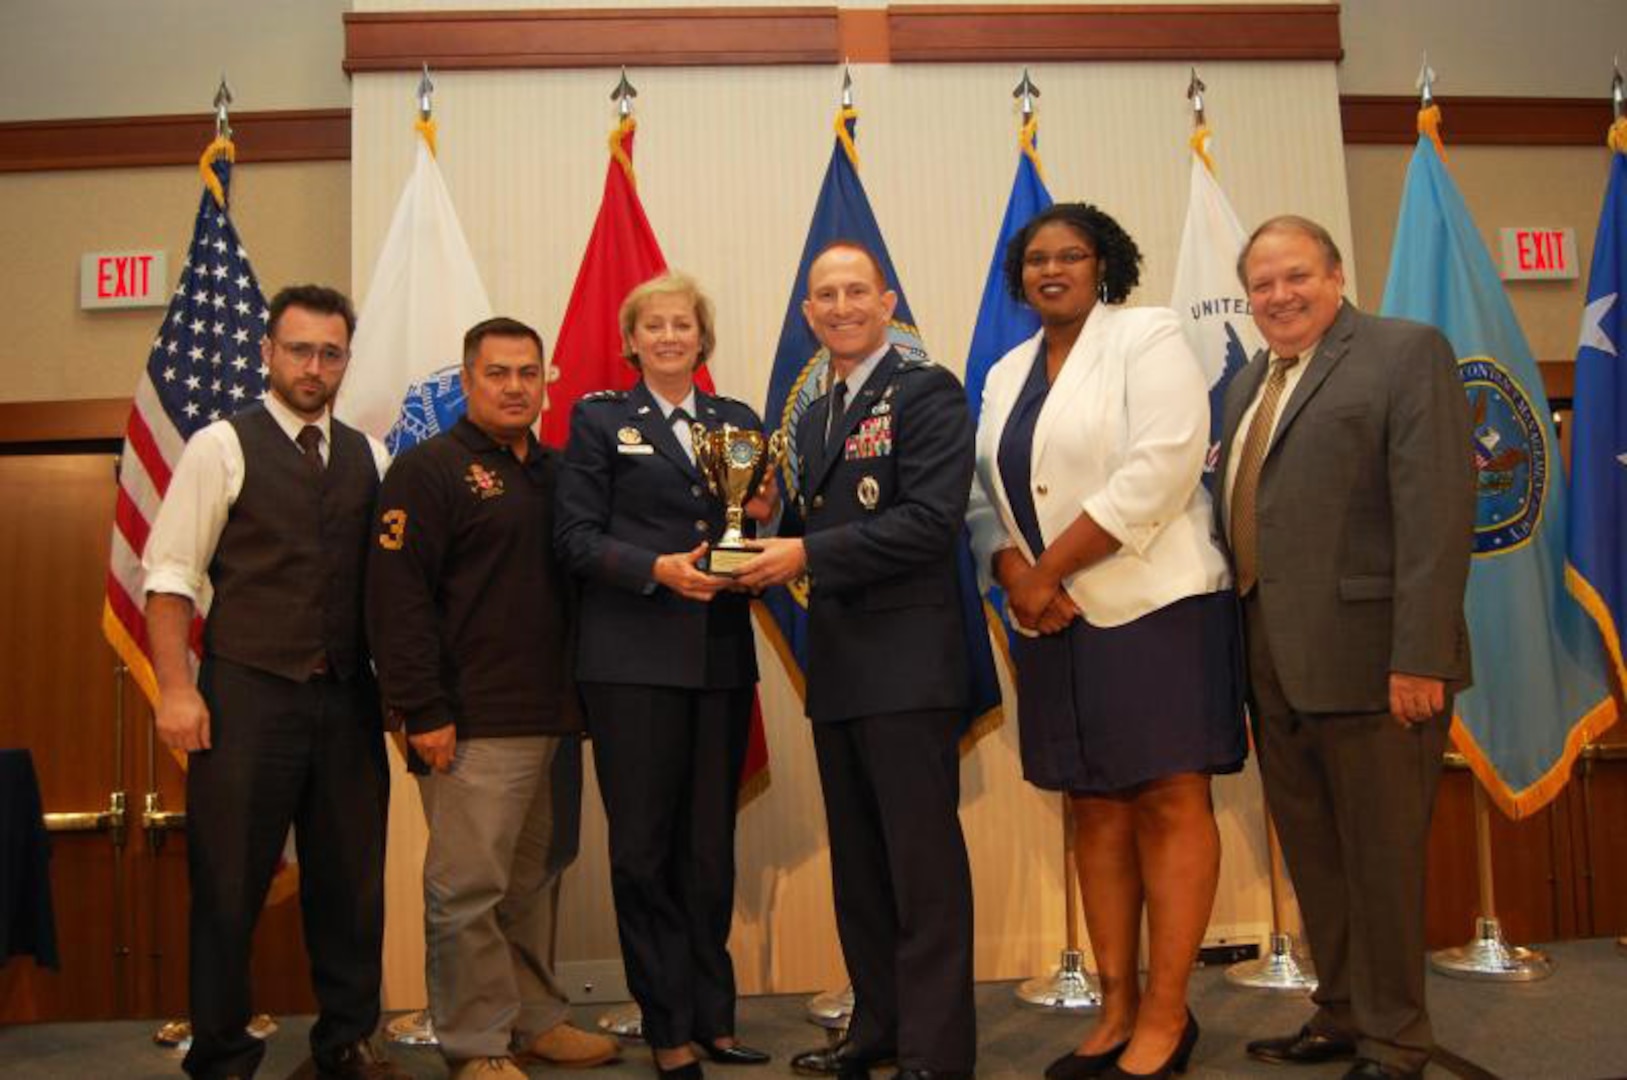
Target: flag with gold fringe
(1540,692)
(1597,569)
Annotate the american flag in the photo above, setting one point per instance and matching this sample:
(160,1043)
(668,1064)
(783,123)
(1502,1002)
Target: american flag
(204,366)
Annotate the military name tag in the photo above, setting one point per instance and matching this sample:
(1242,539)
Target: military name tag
(635,448)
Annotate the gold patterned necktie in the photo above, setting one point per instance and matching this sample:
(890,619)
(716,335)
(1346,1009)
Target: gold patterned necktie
(310,444)
(1242,517)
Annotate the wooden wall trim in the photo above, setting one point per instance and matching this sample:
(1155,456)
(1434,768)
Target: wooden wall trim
(1477,121)
(931,33)
(576,38)
(84,420)
(125,141)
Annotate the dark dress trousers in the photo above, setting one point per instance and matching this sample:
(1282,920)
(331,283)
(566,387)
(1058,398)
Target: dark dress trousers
(887,696)
(296,739)
(1365,519)
(668,684)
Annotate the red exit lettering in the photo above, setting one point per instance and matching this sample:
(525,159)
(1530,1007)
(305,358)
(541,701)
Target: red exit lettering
(1541,249)
(122,276)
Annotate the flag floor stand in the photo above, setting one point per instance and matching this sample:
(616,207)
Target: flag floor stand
(1070,988)
(1488,956)
(178,1033)
(624,1022)
(412,1029)
(1282,967)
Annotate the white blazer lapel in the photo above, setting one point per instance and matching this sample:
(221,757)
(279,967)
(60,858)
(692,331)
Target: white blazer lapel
(1065,397)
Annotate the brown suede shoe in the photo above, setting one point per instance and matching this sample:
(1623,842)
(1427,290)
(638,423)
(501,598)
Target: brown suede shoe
(570,1047)
(487,1068)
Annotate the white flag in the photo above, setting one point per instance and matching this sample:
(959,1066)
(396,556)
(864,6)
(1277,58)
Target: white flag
(1213,307)
(426,292)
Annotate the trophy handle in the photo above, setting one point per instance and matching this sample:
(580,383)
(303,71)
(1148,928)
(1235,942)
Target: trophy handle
(705,455)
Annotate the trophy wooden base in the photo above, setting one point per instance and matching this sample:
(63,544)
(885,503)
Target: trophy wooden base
(727,561)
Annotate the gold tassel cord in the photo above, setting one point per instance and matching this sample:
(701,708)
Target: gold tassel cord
(221,147)
(426,129)
(618,147)
(1429,123)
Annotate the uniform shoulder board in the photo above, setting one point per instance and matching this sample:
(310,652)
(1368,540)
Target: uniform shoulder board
(915,363)
(605,395)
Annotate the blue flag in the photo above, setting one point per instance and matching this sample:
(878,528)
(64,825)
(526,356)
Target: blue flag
(1540,688)
(1002,322)
(1597,574)
(798,379)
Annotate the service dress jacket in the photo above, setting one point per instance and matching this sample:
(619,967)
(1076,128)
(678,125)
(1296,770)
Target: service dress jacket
(882,517)
(628,494)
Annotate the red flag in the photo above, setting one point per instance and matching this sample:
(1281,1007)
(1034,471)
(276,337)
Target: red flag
(622,253)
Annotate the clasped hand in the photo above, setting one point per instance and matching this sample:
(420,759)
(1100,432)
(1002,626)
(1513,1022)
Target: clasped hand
(1037,600)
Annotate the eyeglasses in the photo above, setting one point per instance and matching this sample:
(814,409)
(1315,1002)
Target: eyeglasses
(305,351)
(1039,260)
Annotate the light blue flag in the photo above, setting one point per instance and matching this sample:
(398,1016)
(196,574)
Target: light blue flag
(1003,323)
(1540,689)
(1597,574)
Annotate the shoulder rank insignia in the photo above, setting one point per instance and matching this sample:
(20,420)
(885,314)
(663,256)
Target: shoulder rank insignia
(606,395)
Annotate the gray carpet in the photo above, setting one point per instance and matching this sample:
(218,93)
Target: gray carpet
(1570,1027)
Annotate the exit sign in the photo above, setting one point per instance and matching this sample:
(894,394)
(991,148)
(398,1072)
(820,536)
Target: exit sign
(123,279)
(1539,254)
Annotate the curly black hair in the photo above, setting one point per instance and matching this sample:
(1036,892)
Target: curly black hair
(1117,254)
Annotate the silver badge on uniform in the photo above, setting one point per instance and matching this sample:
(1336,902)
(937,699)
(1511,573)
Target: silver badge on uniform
(869,492)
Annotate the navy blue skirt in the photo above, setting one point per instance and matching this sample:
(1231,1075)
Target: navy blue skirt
(1102,710)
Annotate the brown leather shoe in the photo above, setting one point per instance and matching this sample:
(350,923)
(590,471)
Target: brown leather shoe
(1305,1047)
(487,1068)
(361,1060)
(569,1047)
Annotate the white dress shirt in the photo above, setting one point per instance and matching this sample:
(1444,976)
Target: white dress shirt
(680,428)
(855,382)
(205,484)
(1290,380)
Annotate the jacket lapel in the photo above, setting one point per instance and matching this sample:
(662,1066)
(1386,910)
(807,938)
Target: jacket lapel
(1064,394)
(649,420)
(1335,344)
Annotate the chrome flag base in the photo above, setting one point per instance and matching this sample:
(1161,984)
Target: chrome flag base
(624,1022)
(1070,989)
(1279,969)
(833,1009)
(412,1029)
(1489,957)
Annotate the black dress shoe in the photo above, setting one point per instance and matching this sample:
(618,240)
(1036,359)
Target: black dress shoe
(1368,1069)
(1173,1065)
(361,1060)
(1077,1066)
(1305,1047)
(736,1054)
(933,1074)
(689,1070)
(841,1060)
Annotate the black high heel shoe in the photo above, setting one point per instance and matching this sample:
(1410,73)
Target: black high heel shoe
(1076,1066)
(736,1054)
(1174,1066)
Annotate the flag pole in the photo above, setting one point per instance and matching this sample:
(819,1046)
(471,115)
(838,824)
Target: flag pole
(1487,956)
(1070,988)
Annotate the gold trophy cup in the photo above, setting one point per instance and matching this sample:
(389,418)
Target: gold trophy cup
(734,461)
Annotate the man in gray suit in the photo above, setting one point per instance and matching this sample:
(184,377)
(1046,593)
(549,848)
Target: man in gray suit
(1349,503)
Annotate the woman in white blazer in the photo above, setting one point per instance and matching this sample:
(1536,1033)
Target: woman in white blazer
(1089,510)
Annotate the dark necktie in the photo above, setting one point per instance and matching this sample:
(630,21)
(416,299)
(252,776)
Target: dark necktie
(836,433)
(310,445)
(680,416)
(1244,487)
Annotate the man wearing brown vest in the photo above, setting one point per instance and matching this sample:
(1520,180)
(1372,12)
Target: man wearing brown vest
(270,512)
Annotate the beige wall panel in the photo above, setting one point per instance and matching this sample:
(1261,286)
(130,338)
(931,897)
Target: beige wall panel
(729,163)
(294,220)
(77,58)
(1510,48)
(1503,186)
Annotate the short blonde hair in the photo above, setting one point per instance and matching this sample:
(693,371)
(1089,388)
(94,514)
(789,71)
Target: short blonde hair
(670,283)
